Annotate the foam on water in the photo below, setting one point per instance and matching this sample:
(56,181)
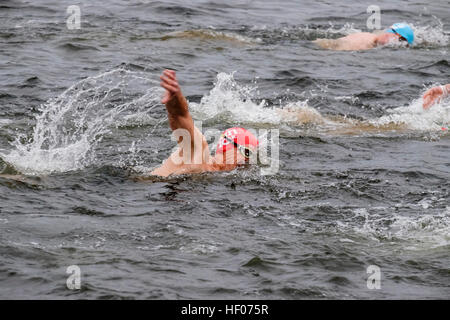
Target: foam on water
(427,231)
(433,36)
(415,117)
(232,102)
(69,127)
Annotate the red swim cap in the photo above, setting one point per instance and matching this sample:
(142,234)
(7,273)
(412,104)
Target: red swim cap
(240,136)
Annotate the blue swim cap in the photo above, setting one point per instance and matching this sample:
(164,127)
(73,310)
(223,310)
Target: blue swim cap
(404,30)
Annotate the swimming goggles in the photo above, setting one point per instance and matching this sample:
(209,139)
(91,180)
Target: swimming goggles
(246,152)
(401,38)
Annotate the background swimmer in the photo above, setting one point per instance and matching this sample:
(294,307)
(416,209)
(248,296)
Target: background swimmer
(398,32)
(399,119)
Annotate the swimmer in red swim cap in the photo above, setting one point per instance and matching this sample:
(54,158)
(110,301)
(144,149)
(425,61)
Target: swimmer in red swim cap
(237,146)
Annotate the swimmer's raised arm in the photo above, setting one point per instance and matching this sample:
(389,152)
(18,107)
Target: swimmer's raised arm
(435,94)
(176,104)
(191,141)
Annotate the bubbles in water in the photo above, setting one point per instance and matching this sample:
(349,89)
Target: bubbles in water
(70,126)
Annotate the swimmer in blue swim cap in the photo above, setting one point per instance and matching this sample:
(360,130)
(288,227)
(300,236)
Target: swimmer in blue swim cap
(403,31)
(397,33)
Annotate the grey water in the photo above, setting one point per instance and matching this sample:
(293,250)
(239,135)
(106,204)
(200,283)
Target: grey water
(80,119)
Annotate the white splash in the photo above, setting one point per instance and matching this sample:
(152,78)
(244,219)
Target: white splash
(415,117)
(69,127)
(419,232)
(434,36)
(230,101)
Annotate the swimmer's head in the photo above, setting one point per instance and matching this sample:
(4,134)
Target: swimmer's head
(403,31)
(236,146)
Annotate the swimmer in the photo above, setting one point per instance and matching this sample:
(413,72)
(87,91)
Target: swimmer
(398,32)
(434,95)
(235,148)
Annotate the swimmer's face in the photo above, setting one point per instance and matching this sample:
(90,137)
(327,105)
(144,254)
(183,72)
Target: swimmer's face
(235,156)
(390,38)
(236,146)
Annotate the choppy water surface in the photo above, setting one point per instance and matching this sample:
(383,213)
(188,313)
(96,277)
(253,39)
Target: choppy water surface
(80,118)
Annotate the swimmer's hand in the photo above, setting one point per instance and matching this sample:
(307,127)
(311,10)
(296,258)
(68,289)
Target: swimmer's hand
(170,83)
(433,95)
(176,104)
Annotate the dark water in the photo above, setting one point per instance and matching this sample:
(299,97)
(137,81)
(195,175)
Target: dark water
(339,203)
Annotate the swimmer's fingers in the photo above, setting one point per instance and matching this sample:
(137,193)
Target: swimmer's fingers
(169,92)
(429,92)
(430,97)
(170,85)
(170,74)
(169,88)
(427,101)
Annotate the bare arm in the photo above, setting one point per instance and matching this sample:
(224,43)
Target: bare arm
(190,140)
(176,104)
(434,94)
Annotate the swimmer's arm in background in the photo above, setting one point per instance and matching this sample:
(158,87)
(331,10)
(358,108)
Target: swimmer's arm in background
(434,95)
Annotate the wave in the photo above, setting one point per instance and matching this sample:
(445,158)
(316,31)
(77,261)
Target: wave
(73,47)
(210,34)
